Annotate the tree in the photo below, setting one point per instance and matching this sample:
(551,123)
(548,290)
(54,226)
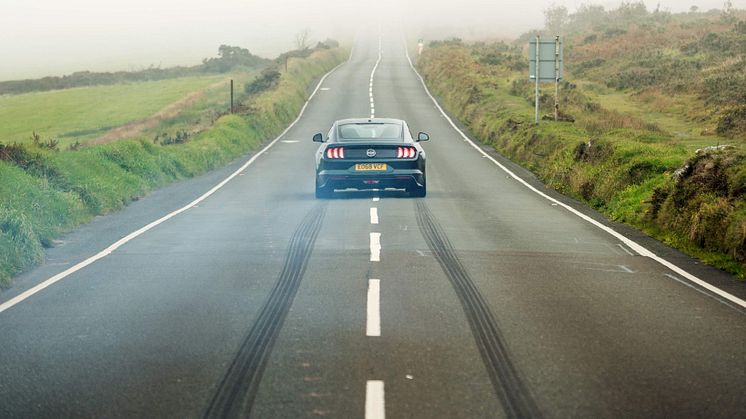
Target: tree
(693,9)
(230,57)
(728,14)
(633,10)
(555,19)
(589,17)
(303,39)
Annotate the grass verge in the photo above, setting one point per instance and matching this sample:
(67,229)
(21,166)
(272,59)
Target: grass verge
(45,192)
(625,166)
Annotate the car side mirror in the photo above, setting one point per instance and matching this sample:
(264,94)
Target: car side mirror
(318,138)
(423,137)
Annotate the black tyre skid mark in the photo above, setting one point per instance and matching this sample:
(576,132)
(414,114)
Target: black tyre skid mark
(509,387)
(236,393)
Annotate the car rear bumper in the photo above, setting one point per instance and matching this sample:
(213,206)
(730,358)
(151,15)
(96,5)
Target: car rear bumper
(344,179)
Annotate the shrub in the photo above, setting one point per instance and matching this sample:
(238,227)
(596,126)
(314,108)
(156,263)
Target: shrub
(733,122)
(590,39)
(613,32)
(180,137)
(583,66)
(33,161)
(267,80)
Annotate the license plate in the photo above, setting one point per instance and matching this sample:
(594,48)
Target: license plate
(370,167)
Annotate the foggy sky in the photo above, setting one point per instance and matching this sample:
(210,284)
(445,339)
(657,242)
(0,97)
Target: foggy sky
(55,37)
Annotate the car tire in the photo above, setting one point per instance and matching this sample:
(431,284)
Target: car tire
(323,193)
(419,192)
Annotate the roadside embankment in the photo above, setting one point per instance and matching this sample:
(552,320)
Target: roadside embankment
(626,167)
(45,192)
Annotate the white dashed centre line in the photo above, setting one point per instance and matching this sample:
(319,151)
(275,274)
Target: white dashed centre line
(374,215)
(376,199)
(375,247)
(373,325)
(370,87)
(375,405)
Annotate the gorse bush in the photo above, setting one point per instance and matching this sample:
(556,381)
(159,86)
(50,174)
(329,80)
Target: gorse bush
(180,137)
(33,158)
(733,122)
(675,73)
(725,86)
(705,203)
(693,53)
(267,80)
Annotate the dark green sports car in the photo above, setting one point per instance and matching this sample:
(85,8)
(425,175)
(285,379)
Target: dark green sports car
(369,154)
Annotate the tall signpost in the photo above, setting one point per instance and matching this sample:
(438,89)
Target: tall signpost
(537,76)
(546,64)
(556,76)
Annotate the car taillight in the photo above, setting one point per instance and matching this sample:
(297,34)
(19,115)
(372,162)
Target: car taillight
(335,153)
(405,152)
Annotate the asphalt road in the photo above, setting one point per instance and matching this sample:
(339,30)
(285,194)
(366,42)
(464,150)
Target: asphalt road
(487,299)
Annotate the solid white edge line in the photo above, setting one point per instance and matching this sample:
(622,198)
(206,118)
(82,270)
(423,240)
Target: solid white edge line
(375,403)
(374,215)
(106,252)
(373,323)
(375,247)
(641,250)
(705,293)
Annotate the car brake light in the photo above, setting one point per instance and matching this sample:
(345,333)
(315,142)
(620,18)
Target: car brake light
(335,153)
(405,152)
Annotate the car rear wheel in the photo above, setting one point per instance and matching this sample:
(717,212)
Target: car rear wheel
(323,193)
(419,192)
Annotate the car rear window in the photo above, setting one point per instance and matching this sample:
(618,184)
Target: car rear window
(370,131)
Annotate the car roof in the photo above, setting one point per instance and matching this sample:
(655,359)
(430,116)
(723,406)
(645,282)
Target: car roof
(370,120)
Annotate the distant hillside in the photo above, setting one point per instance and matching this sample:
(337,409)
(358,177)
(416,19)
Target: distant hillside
(691,56)
(652,128)
(228,59)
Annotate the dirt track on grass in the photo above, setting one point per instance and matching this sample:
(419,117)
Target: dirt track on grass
(134,128)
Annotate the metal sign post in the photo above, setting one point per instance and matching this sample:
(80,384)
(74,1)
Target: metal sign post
(546,64)
(556,76)
(536,76)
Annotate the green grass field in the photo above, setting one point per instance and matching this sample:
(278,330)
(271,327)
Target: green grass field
(45,192)
(86,113)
